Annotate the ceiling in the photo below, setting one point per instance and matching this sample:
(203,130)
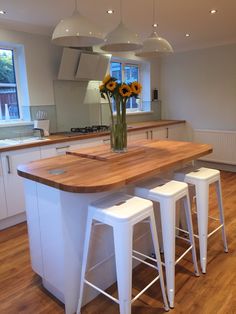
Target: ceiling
(175,18)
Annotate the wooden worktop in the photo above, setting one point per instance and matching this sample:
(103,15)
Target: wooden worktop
(77,174)
(60,138)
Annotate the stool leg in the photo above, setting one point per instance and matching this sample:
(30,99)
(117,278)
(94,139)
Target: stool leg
(168,230)
(187,208)
(158,258)
(202,195)
(123,240)
(221,209)
(84,261)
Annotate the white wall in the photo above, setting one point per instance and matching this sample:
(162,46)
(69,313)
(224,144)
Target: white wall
(200,87)
(42,63)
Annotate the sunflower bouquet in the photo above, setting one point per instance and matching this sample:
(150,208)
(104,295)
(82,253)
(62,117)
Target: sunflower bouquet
(120,93)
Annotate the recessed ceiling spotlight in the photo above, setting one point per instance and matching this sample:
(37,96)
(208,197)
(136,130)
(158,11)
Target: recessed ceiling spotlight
(213,11)
(187,35)
(110,11)
(2,12)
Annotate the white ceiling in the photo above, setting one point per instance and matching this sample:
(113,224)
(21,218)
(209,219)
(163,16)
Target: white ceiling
(175,18)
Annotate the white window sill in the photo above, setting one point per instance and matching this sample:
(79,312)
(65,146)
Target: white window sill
(134,113)
(4,124)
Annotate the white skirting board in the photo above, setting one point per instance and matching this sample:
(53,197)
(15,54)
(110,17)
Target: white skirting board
(223,142)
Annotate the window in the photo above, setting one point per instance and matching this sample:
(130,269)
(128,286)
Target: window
(128,73)
(9,107)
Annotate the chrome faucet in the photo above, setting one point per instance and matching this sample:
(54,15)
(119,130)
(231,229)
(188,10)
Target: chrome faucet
(41,132)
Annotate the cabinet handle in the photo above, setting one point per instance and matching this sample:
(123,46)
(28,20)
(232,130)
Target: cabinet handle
(106,141)
(151,134)
(63,147)
(8,164)
(147,135)
(167,132)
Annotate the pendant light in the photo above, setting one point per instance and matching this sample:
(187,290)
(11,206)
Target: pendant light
(77,31)
(121,38)
(154,45)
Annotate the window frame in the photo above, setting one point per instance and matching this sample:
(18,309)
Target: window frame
(130,63)
(17,85)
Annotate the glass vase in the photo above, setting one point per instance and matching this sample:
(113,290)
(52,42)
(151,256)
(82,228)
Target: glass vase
(119,137)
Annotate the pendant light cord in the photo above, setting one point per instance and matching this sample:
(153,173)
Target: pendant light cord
(153,18)
(121,17)
(76,5)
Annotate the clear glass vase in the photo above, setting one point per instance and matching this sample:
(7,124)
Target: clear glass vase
(119,137)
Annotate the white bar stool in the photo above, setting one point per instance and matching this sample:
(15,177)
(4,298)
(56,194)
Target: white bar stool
(201,178)
(167,193)
(122,212)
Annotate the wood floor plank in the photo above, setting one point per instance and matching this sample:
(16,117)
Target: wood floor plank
(21,290)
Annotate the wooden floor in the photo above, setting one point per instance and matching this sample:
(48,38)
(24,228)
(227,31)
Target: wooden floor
(21,290)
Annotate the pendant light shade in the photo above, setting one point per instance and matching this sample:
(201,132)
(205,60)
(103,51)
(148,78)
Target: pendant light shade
(77,31)
(154,46)
(121,39)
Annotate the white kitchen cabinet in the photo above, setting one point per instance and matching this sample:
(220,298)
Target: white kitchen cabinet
(62,148)
(137,135)
(177,132)
(148,134)
(3,205)
(13,183)
(54,149)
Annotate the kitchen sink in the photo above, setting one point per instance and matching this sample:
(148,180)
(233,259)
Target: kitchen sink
(22,140)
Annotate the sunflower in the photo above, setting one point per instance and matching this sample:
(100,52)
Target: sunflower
(106,79)
(111,86)
(136,88)
(125,90)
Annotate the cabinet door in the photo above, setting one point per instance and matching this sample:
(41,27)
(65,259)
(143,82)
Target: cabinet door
(89,142)
(13,183)
(159,134)
(54,150)
(177,132)
(3,206)
(138,135)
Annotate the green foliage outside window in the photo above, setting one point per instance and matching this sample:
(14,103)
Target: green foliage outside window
(7,74)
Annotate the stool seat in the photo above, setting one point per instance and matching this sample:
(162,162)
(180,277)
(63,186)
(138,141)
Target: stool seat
(119,207)
(201,178)
(189,174)
(167,193)
(155,187)
(122,212)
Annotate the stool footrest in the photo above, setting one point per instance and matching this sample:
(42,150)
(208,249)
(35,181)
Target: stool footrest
(146,263)
(102,291)
(179,259)
(182,238)
(197,236)
(136,258)
(147,287)
(213,218)
(215,230)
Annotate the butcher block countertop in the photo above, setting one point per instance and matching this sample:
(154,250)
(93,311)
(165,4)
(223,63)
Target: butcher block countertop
(60,138)
(99,170)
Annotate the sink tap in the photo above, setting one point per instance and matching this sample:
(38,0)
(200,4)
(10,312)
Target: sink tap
(41,132)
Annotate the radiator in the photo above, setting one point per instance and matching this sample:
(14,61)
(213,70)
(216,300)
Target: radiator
(223,142)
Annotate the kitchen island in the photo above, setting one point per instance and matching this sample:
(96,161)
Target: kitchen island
(58,191)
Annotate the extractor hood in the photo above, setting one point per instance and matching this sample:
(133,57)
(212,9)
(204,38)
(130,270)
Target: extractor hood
(77,65)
